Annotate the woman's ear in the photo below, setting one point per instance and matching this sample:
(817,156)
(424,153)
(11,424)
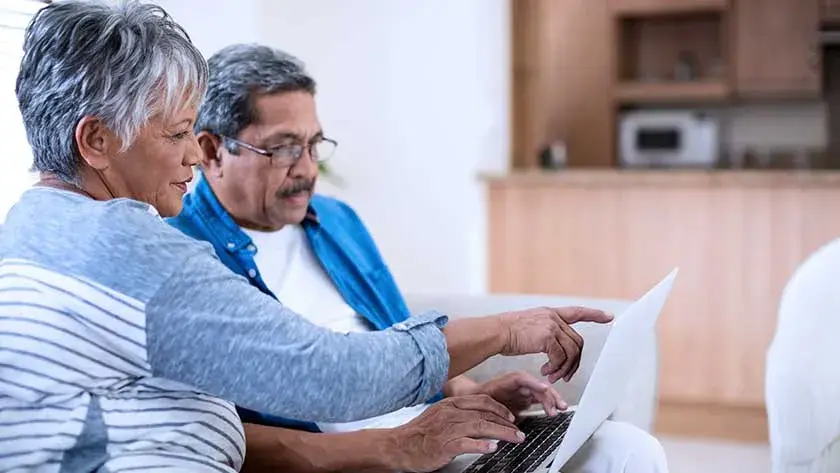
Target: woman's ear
(211,153)
(96,143)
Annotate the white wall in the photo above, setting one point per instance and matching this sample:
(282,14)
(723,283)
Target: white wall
(416,93)
(16,159)
(214,24)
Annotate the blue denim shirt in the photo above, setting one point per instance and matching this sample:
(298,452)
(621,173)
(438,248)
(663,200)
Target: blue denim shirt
(339,240)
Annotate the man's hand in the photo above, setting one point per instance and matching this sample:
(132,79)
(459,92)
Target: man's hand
(547,330)
(519,391)
(452,427)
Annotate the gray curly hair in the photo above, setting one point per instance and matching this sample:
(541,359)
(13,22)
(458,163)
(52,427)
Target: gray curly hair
(122,63)
(237,74)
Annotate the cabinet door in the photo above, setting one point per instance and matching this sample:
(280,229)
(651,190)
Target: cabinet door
(562,81)
(776,49)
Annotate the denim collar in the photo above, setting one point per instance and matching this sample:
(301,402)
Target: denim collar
(225,228)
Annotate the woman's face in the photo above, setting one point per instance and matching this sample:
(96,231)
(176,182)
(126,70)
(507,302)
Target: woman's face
(158,165)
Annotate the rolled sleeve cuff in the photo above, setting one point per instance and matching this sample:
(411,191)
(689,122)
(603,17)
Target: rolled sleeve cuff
(426,331)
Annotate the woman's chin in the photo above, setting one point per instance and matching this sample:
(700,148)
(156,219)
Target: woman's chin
(170,207)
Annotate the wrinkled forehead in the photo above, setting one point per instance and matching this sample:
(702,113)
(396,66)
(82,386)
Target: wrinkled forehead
(286,114)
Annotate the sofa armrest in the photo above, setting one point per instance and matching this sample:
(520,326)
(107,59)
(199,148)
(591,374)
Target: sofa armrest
(640,402)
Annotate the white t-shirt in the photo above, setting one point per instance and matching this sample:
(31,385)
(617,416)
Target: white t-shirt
(290,269)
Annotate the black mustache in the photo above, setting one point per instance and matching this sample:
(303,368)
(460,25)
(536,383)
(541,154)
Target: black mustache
(298,187)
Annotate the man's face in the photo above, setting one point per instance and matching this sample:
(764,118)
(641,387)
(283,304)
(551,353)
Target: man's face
(257,191)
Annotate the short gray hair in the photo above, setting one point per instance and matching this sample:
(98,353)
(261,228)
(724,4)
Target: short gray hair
(237,74)
(122,63)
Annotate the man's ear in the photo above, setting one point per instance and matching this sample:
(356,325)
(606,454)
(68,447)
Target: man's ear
(97,144)
(211,153)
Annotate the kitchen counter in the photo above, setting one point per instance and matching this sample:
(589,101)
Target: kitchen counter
(737,236)
(667,178)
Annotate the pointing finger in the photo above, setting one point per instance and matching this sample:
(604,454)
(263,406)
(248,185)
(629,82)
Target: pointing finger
(572,315)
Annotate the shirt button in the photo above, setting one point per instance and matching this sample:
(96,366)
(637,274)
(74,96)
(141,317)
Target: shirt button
(252,248)
(252,273)
(401,326)
(230,246)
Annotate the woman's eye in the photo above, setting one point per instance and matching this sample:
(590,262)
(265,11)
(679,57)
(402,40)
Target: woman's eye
(180,136)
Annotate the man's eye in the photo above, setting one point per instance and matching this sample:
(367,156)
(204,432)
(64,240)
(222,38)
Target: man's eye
(284,149)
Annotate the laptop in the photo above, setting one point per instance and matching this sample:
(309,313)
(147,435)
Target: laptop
(551,441)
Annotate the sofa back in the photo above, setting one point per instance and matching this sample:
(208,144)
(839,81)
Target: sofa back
(641,397)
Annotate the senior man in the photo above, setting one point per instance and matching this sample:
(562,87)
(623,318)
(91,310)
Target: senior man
(262,141)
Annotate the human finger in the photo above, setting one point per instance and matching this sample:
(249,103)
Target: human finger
(484,403)
(573,315)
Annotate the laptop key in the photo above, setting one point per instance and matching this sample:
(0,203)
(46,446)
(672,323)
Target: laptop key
(551,447)
(543,435)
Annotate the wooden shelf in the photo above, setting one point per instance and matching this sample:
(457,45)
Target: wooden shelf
(668,7)
(628,93)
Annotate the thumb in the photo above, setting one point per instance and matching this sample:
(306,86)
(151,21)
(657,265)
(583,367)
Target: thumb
(573,315)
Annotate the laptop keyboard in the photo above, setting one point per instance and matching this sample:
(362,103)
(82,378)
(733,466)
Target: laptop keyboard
(543,435)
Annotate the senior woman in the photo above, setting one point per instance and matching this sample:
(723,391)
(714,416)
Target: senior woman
(120,336)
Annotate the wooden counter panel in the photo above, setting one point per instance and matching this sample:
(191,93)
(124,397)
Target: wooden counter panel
(736,248)
(666,178)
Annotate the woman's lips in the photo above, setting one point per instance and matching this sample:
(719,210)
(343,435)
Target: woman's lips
(182,186)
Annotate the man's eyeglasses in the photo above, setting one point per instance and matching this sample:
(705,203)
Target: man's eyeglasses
(289,154)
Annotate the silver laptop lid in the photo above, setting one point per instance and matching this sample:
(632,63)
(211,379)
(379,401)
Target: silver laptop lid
(616,367)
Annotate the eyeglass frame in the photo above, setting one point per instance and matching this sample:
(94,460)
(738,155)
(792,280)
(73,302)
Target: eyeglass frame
(267,152)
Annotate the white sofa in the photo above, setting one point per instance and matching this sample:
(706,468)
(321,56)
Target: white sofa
(639,405)
(802,379)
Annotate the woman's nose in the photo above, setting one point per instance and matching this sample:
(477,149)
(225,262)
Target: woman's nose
(193,153)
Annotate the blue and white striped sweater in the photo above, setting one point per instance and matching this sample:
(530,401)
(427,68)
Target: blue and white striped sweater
(73,352)
(120,336)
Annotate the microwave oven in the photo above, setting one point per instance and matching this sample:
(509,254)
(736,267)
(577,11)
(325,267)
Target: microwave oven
(668,138)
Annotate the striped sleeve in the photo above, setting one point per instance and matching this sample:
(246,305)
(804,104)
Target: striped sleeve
(209,328)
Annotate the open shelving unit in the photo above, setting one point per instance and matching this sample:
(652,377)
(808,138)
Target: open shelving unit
(672,54)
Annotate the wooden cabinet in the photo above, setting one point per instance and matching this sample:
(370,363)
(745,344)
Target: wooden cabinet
(639,7)
(776,48)
(562,80)
(577,63)
(532,77)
